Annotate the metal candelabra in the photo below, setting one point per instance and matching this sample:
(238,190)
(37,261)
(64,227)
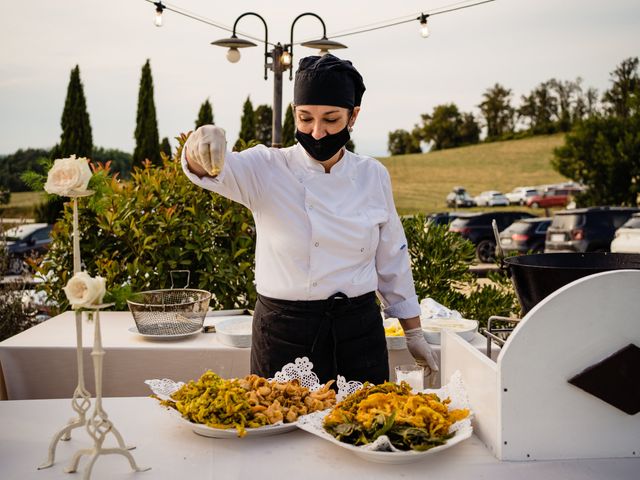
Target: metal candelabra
(98,425)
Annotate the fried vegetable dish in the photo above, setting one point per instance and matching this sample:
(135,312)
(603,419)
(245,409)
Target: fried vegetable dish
(249,402)
(412,422)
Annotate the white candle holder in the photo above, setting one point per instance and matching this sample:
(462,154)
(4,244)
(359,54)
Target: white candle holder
(98,424)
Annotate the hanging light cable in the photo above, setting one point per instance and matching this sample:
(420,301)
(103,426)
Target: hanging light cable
(159,9)
(359,30)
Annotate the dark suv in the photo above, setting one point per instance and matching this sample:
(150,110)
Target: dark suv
(524,236)
(585,229)
(441,218)
(25,241)
(476,227)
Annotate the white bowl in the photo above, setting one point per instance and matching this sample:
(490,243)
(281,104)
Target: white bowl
(467,329)
(394,342)
(235,331)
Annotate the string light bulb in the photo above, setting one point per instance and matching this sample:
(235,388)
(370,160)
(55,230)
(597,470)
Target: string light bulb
(424,29)
(286,57)
(233,55)
(158,18)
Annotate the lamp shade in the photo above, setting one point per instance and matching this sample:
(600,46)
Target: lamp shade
(323,44)
(233,42)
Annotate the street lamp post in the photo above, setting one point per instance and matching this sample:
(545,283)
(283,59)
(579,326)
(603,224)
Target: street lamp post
(281,59)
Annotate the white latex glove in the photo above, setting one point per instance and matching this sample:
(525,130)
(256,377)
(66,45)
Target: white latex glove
(421,351)
(206,148)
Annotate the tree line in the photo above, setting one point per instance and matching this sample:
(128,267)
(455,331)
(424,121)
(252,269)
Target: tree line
(552,106)
(602,152)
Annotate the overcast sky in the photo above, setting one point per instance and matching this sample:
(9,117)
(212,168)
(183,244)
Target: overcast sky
(518,43)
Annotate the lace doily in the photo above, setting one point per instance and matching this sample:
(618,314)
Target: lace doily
(301,369)
(454,390)
(164,387)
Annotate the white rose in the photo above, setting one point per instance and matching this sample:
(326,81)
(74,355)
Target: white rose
(67,175)
(82,290)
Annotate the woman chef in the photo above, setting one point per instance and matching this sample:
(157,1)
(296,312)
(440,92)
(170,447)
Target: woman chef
(328,235)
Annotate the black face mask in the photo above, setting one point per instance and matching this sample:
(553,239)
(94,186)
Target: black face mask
(325,148)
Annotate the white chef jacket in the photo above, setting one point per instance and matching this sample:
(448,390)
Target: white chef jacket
(318,233)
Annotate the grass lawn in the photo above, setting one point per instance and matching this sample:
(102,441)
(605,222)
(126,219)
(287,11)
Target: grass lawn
(422,181)
(21,204)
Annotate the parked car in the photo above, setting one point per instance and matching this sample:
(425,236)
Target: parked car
(627,237)
(524,236)
(459,198)
(476,227)
(25,241)
(491,198)
(585,229)
(441,218)
(520,195)
(553,197)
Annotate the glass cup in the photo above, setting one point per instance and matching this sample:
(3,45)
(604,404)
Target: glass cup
(412,374)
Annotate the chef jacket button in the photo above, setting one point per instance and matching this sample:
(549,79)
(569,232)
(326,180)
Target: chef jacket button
(314,284)
(310,207)
(362,249)
(317,244)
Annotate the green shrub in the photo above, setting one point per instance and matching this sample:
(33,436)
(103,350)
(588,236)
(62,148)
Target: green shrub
(440,262)
(134,233)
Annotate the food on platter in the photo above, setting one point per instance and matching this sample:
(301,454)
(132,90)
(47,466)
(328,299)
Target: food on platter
(249,402)
(411,421)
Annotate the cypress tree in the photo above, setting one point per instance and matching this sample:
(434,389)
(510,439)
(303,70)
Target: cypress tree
(76,139)
(263,119)
(76,135)
(289,128)
(165,147)
(205,115)
(247,122)
(146,134)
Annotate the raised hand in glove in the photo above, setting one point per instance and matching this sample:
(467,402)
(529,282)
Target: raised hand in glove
(206,148)
(420,350)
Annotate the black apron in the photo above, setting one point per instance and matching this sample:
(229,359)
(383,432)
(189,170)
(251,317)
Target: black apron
(340,336)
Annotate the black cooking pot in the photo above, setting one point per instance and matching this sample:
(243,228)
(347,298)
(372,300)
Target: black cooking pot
(536,276)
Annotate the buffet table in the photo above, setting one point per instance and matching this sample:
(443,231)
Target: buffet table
(41,362)
(172,450)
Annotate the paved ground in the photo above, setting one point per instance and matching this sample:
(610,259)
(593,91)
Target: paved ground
(482,269)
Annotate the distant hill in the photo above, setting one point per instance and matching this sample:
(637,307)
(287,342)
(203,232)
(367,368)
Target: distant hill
(421,181)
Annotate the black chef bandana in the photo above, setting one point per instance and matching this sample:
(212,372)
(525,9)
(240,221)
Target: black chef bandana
(327,80)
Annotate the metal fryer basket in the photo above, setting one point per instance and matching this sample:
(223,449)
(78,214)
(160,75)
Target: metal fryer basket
(169,311)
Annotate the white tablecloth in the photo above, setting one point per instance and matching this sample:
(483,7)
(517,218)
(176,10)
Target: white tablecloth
(41,362)
(173,451)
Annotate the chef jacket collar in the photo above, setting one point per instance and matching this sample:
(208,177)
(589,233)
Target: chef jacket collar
(309,163)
